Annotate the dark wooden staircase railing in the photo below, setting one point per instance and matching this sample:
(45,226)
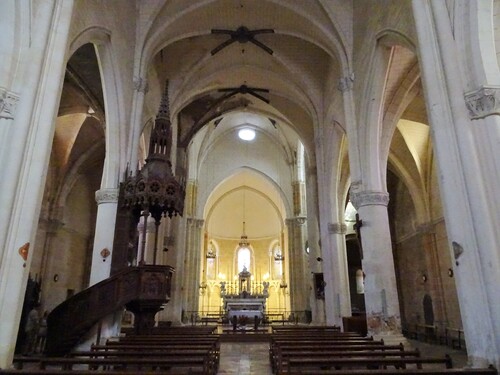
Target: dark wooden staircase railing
(142,289)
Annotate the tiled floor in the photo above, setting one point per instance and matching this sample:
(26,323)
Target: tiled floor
(246,358)
(458,357)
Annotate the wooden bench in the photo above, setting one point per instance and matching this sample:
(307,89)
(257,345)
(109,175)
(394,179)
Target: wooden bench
(174,330)
(319,342)
(153,348)
(297,365)
(306,329)
(283,355)
(489,371)
(93,372)
(273,351)
(199,363)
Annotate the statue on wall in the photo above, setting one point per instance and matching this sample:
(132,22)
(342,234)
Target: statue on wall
(265,291)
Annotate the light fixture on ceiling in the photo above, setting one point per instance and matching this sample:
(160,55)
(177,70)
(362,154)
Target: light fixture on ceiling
(210,251)
(244,239)
(246,134)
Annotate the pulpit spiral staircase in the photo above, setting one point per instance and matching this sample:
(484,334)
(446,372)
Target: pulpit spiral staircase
(141,289)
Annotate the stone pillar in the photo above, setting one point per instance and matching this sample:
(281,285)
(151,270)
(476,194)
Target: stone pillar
(192,263)
(381,296)
(299,284)
(147,242)
(102,253)
(298,190)
(316,305)
(467,153)
(39,77)
(176,256)
(140,89)
(335,271)
(107,201)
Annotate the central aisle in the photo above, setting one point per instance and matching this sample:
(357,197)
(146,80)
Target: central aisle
(246,358)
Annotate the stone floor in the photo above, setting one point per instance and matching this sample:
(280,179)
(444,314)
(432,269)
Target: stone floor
(249,358)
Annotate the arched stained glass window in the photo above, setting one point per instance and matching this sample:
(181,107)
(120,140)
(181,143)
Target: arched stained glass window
(243,258)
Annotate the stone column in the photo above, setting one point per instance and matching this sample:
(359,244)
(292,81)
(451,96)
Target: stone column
(381,296)
(192,263)
(39,76)
(335,270)
(141,87)
(299,284)
(312,265)
(175,306)
(149,240)
(107,201)
(466,149)
(102,253)
(298,190)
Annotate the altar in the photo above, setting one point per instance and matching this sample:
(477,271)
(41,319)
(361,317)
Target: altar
(245,299)
(249,307)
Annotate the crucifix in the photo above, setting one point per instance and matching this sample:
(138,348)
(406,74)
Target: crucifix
(357,228)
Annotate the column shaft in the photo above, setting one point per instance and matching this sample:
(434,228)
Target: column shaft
(28,155)
(381,296)
(299,284)
(107,201)
(467,190)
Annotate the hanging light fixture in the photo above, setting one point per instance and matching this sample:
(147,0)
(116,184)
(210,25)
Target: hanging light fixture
(210,251)
(278,254)
(244,239)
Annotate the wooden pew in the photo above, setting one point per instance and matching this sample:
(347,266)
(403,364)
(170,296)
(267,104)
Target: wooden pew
(297,346)
(297,365)
(174,330)
(284,355)
(313,341)
(286,329)
(453,371)
(94,372)
(199,363)
(155,343)
(318,342)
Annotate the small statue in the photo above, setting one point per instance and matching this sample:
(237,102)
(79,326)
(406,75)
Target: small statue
(265,284)
(222,287)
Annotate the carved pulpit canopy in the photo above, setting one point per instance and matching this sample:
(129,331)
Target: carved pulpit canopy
(154,187)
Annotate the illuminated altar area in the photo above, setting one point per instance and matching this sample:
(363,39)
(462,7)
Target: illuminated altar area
(246,298)
(258,285)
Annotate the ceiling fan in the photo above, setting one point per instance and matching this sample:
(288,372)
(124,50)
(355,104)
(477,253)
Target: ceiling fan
(244,89)
(242,35)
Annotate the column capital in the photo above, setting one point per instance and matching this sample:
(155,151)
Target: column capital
(197,223)
(369,198)
(8,103)
(483,102)
(299,220)
(106,196)
(337,228)
(346,83)
(141,84)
